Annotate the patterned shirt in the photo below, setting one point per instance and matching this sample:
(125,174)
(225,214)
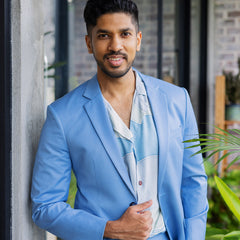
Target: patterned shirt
(139,149)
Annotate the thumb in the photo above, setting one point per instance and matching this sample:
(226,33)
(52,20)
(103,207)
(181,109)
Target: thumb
(142,206)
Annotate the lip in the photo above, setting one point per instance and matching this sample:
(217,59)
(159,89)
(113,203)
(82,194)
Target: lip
(115,60)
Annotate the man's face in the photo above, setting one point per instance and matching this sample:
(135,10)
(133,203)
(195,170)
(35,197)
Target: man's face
(114,42)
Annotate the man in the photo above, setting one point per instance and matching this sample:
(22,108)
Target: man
(122,134)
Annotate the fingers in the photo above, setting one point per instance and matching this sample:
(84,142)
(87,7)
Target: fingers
(145,224)
(142,206)
(146,218)
(135,223)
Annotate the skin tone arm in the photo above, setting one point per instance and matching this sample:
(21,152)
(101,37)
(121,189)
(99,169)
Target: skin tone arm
(135,224)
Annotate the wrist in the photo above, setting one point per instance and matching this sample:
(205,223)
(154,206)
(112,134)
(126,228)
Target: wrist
(112,229)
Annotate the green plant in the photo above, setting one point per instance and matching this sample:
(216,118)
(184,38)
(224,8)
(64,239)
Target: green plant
(233,203)
(50,69)
(53,66)
(229,197)
(232,86)
(72,190)
(218,214)
(214,144)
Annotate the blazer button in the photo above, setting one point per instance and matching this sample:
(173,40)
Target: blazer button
(132,204)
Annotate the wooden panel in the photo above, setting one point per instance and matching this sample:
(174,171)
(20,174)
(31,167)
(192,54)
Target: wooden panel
(220,102)
(220,113)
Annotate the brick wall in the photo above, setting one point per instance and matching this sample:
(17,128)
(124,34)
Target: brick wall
(146,59)
(227,35)
(226,39)
(84,64)
(168,40)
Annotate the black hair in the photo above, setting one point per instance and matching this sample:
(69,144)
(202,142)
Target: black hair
(96,8)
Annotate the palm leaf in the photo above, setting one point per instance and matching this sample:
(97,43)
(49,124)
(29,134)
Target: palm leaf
(223,141)
(221,234)
(211,231)
(235,235)
(55,65)
(215,237)
(229,197)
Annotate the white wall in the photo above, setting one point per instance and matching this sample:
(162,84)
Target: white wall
(27,110)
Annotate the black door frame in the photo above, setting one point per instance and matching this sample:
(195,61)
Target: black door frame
(183,46)
(5,119)
(183,27)
(182,40)
(61,48)
(202,103)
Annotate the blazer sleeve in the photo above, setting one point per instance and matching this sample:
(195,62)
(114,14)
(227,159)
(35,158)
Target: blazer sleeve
(50,187)
(194,182)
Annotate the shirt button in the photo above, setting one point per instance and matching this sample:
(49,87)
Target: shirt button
(140,183)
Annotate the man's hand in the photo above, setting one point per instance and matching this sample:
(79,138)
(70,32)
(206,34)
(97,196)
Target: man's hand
(135,224)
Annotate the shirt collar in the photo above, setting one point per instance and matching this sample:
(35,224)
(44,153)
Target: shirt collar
(140,88)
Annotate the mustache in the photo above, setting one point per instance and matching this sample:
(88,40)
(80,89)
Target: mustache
(114,53)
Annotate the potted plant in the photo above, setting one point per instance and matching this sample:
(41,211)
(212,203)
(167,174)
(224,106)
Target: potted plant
(233,94)
(214,144)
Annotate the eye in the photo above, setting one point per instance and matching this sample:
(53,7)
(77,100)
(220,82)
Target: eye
(103,36)
(126,34)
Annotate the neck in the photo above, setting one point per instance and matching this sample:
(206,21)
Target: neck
(117,87)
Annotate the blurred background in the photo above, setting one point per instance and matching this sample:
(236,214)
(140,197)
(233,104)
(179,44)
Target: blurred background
(194,44)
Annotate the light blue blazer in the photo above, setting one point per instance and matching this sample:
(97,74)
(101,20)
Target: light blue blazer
(78,135)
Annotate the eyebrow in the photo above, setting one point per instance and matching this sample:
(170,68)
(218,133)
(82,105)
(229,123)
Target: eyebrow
(121,30)
(102,31)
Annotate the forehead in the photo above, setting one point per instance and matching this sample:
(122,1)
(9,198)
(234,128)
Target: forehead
(115,22)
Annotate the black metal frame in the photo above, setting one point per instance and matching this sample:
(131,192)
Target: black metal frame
(183,21)
(183,35)
(203,67)
(61,49)
(5,119)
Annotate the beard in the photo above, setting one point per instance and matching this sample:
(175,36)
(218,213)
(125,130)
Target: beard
(114,73)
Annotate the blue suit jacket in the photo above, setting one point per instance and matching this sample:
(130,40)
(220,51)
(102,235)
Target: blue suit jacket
(78,135)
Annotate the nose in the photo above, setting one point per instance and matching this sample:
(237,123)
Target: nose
(115,44)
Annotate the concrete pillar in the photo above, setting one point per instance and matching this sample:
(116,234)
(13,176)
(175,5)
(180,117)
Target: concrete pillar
(27,110)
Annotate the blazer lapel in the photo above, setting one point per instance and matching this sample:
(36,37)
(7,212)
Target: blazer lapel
(97,113)
(159,105)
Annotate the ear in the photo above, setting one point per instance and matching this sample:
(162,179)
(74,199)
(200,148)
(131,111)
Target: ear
(139,40)
(88,43)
